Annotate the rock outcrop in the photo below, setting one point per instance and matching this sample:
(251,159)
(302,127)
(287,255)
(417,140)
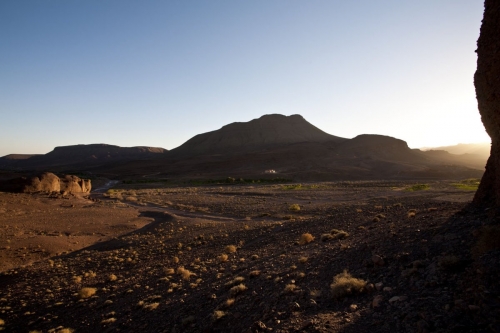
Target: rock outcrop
(487,83)
(47,182)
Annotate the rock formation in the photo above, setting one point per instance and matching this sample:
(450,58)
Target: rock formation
(47,182)
(487,83)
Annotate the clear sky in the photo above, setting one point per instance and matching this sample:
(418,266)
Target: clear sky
(156,73)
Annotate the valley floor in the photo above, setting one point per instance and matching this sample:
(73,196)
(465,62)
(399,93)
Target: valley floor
(250,258)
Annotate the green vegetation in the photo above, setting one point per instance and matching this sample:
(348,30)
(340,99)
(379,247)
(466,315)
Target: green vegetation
(470,184)
(231,180)
(145,181)
(299,187)
(417,187)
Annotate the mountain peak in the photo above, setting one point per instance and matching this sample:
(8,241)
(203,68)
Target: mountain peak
(268,130)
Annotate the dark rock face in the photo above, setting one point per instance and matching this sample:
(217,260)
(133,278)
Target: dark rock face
(487,83)
(47,182)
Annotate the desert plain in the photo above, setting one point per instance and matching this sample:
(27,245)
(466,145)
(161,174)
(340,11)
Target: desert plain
(352,256)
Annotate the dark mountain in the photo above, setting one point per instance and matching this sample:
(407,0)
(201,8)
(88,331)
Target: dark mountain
(263,133)
(287,144)
(81,156)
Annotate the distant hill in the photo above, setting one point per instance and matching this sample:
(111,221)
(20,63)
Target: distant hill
(79,156)
(481,149)
(473,155)
(290,145)
(258,134)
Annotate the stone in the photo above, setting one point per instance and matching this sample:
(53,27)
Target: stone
(394,299)
(377,301)
(379,286)
(378,260)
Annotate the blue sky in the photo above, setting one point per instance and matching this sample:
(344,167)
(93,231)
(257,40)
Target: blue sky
(156,73)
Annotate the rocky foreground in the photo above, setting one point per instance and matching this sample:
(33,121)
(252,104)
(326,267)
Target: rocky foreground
(329,257)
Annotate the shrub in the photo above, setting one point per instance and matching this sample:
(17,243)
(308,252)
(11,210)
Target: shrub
(237,289)
(151,306)
(236,280)
(223,257)
(417,187)
(113,277)
(86,292)
(254,273)
(218,314)
(184,273)
(230,249)
(294,207)
(108,321)
(344,284)
(290,288)
(339,234)
(303,260)
(305,238)
(326,237)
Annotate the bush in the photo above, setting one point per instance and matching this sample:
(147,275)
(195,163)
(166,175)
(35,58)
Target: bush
(230,249)
(86,292)
(294,208)
(344,284)
(305,238)
(339,234)
(237,289)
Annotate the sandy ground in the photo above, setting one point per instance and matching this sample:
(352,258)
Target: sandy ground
(33,227)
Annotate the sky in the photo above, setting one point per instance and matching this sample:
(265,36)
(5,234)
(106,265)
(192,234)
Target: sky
(156,73)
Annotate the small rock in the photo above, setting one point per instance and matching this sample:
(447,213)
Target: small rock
(387,289)
(378,260)
(394,299)
(353,307)
(306,324)
(369,287)
(474,308)
(379,286)
(258,325)
(377,301)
